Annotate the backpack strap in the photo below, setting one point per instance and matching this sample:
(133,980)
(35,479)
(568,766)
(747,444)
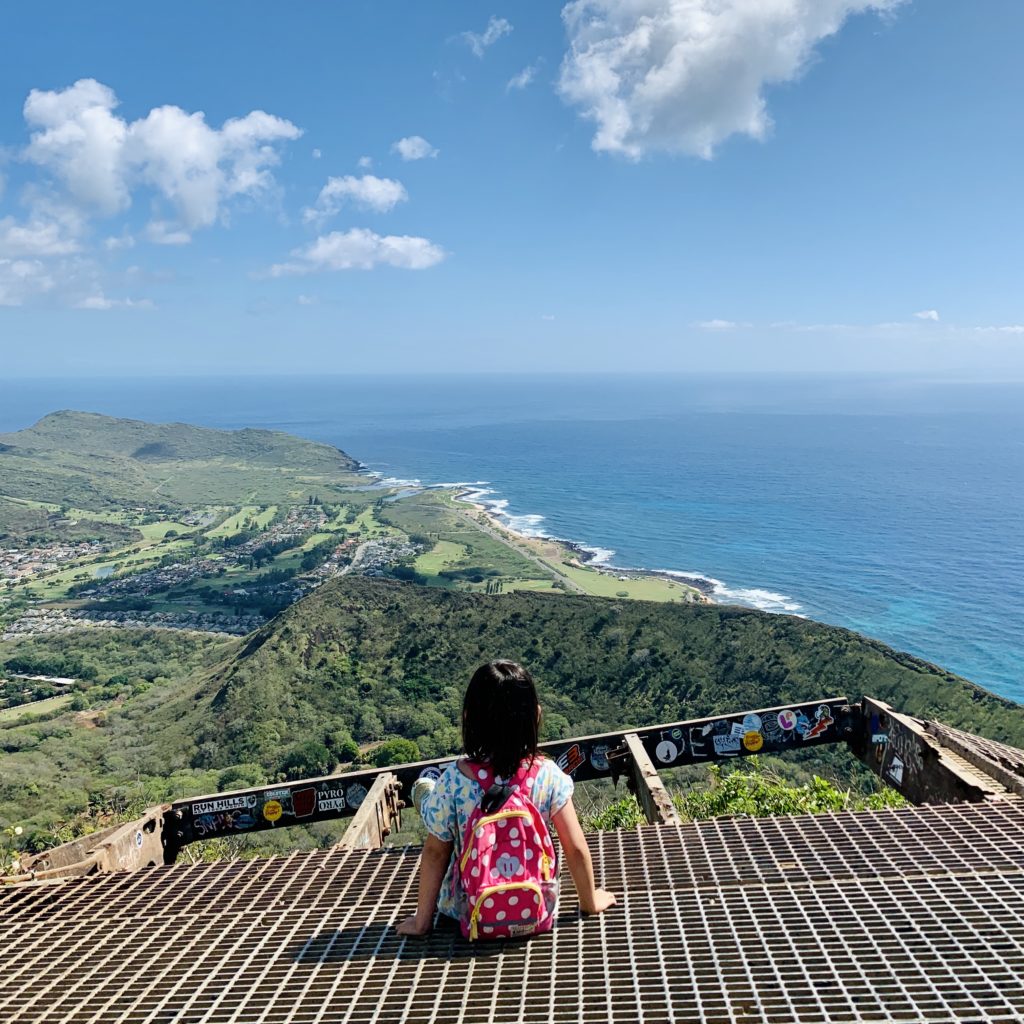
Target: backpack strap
(496,794)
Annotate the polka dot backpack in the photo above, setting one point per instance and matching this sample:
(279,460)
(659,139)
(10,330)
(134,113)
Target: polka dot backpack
(508,871)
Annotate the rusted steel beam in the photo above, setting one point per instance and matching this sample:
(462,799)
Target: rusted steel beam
(137,844)
(645,783)
(904,755)
(378,816)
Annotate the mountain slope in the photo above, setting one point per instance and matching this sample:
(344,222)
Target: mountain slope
(98,462)
(378,658)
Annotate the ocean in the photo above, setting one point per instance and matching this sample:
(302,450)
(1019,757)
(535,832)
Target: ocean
(889,505)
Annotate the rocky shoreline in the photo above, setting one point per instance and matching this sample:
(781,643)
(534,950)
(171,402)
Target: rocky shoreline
(587,556)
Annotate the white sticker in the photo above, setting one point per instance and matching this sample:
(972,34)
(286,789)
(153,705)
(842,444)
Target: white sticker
(752,723)
(738,730)
(138,839)
(895,771)
(355,794)
(727,744)
(666,751)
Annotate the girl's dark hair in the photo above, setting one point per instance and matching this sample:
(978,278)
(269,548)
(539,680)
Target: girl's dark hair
(499,717)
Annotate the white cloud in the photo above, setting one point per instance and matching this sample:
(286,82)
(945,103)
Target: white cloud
(162,232)
(683,75)
(368,192)
(523,79)
(928,314)
(34,239)
(414,147)
(317,154)
(478,42)
(365,162)
(360,249)
(547,316)
(717,325)
(101,158)
(122,241)
(21,280)
(1001,329)
(307,300)
(101,302)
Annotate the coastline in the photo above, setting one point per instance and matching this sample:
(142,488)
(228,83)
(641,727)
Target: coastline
(525,528)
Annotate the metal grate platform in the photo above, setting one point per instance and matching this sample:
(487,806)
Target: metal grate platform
(910,915)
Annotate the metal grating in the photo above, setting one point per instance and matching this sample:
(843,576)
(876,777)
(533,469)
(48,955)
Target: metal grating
(909,915)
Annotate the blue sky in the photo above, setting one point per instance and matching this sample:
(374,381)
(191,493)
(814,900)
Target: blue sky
(607,185)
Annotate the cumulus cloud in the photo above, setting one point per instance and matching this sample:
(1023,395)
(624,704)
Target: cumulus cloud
(414,147)
(360,249)
(21,280)
(368,192)
(162,232)
(365,163)
(33,239)
(101,158)
(523,79)
(684,75)
(717,325)
(101,302)
(317,154)
(927,314)
(479,42)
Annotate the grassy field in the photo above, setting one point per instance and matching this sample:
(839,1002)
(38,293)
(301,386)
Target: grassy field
(157,531)
(8,716)
(650,588)
(442,555)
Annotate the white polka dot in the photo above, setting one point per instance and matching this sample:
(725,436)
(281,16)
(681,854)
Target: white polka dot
(479,833)
(514,842)
(475,854)
(528,853)
(536,898)
(512,900)
(526,914)
(488,902)
(488,929)
(514,833)
(482,776)
(503,823)
(500,915)
(476,872)
(529,783)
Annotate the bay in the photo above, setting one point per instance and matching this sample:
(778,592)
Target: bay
(889,505)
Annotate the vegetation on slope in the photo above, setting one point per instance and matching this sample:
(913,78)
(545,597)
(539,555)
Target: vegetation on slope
(98,462)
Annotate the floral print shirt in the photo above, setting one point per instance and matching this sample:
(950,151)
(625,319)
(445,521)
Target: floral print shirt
(447,809)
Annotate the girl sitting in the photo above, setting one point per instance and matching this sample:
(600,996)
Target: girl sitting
(500,721)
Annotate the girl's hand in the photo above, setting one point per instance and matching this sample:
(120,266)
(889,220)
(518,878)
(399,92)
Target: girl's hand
(602,901)
(416,926)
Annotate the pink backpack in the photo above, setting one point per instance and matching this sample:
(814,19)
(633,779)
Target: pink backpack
(507,874)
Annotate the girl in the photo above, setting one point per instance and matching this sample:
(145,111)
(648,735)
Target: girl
(500,720)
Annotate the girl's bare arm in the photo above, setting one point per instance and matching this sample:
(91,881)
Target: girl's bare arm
(433,864)
(581,867)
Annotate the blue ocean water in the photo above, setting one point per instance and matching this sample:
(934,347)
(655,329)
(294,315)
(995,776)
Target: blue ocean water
(889,505)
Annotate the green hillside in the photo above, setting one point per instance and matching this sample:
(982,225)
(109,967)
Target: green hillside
(96,462)
(380,658)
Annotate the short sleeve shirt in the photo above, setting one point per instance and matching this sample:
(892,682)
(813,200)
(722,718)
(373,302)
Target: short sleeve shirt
(447,809)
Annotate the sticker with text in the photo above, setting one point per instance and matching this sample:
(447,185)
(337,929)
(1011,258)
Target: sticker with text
(753,741)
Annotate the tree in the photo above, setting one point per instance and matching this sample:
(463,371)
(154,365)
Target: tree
(395,751)
(305,760)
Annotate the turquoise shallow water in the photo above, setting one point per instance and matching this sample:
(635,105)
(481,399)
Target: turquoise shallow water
(892,506)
